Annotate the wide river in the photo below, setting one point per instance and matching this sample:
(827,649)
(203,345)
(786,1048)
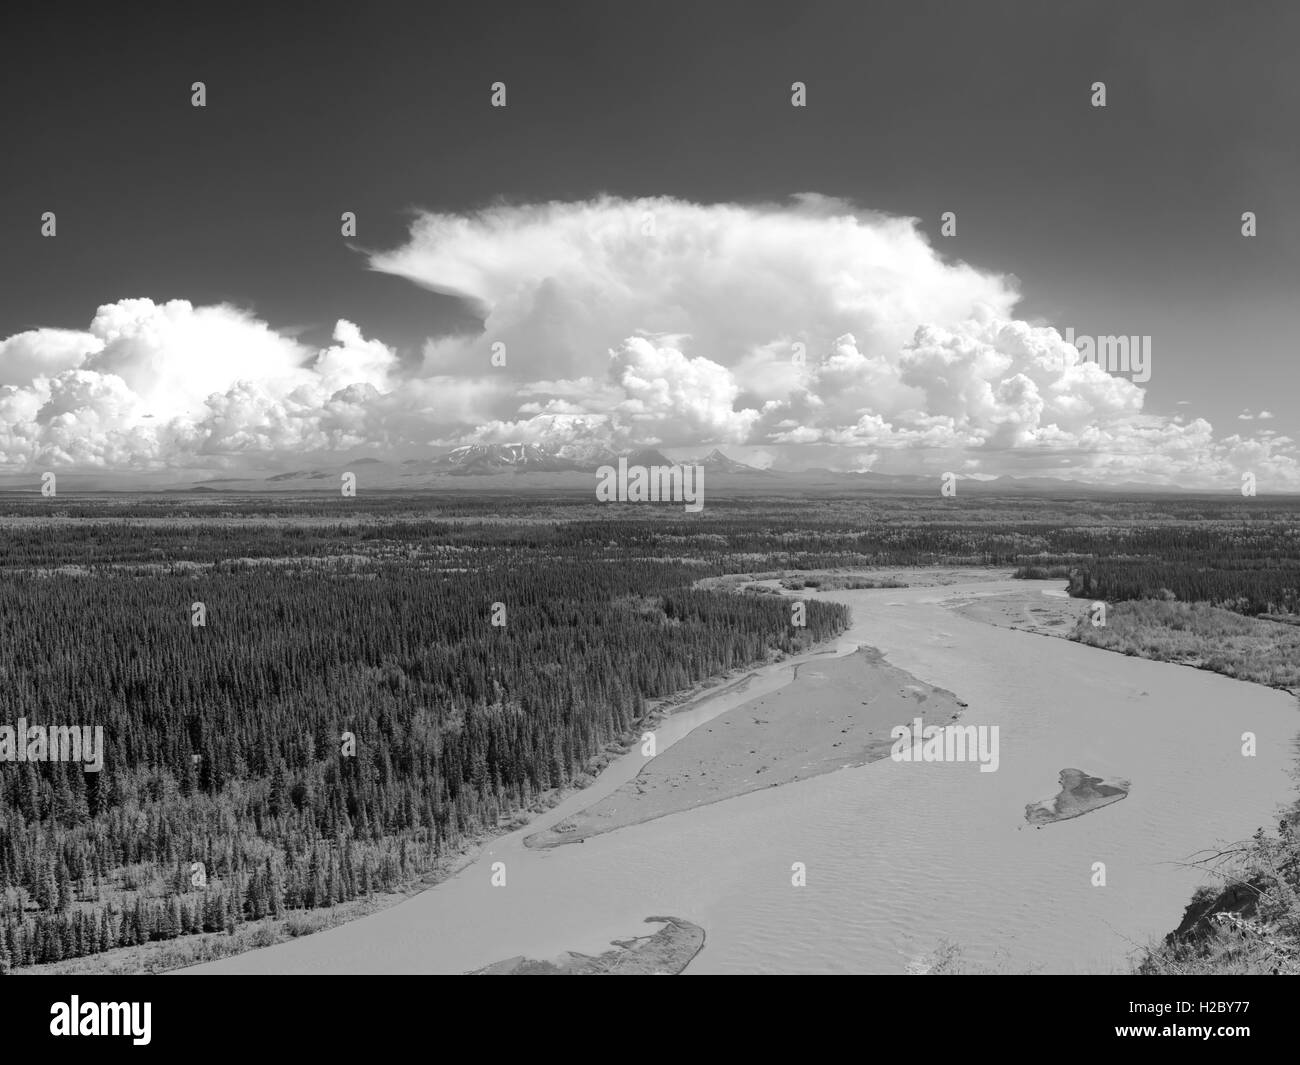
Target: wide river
(898,855)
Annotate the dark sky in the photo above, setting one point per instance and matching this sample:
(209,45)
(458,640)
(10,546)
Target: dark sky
(1122,220)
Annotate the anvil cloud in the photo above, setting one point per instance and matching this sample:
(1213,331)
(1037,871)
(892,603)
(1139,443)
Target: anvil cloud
(807,332)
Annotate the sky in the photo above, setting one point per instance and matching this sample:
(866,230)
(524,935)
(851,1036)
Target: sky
(670,253)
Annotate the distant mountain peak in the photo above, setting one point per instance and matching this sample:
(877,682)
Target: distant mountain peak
(499,458)
(649,457)
(716,461)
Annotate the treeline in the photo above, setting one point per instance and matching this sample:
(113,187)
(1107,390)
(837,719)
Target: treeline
(1272,589)
(1225,548)
(1250,568)
(78,912)
(328,732)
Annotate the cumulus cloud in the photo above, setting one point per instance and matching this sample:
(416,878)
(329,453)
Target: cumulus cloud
(691,398)
(150,385)
(43,353)
(807,333)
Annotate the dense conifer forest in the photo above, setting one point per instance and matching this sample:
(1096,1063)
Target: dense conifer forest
(228,792)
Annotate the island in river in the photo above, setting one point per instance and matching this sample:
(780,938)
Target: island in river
(1079,794)
(665,953)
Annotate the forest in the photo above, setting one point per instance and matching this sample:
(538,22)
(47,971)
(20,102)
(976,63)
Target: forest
(230,791)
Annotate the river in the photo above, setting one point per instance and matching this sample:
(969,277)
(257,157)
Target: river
(898,855)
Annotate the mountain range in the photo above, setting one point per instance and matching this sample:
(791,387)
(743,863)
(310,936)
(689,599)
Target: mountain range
(472,459)
(525,467)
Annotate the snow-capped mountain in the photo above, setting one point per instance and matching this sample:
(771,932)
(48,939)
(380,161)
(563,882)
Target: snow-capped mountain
(716,462)
(519,457)
(499,458)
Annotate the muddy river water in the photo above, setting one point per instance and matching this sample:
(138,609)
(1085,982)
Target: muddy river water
(898,856)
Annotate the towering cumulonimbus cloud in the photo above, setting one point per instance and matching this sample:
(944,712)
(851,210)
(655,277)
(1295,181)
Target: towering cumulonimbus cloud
(810,332)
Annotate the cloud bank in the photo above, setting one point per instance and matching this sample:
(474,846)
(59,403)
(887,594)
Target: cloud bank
(809,332)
